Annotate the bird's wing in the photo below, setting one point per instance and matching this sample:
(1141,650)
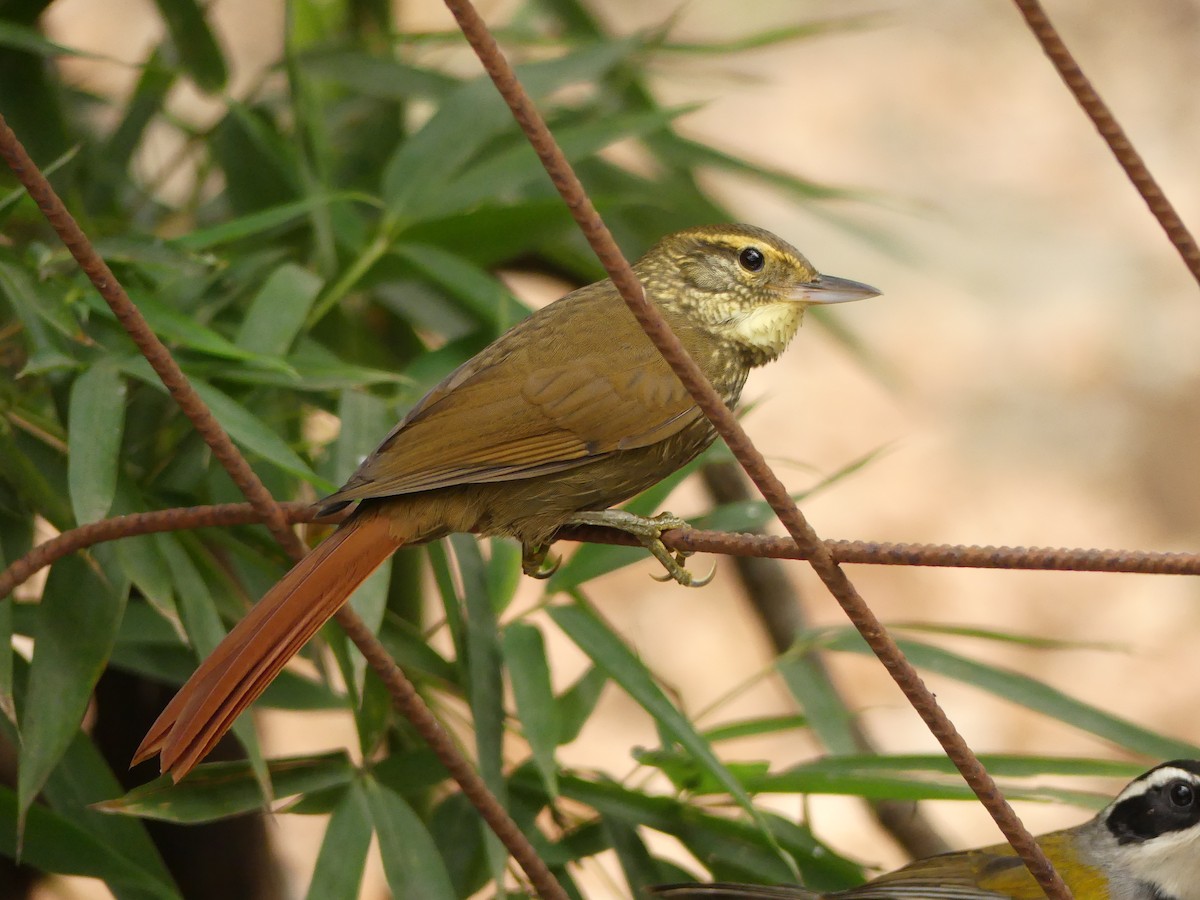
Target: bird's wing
(719,891)
(990,873)
(533,408)
(919,888)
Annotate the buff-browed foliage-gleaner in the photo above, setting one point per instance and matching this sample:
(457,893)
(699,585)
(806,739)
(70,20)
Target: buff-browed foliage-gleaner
(569,412)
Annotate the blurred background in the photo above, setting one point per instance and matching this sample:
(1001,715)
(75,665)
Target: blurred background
(1029,376)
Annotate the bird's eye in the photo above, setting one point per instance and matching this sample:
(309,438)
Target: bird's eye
(1181,794)
(751,259)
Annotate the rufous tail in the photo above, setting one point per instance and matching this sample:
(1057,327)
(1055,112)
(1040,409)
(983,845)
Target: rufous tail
(259,646)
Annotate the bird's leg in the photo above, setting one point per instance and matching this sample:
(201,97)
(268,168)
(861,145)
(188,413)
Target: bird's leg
(533,561)
(649,533)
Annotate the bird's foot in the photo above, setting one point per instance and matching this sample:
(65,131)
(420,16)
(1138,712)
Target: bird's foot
(533,561)
(649,532)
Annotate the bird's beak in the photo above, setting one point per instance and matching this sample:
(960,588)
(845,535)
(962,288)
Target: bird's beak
(831,289)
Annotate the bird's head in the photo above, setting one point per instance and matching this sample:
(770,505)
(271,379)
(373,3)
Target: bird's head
(742,282)
(1150,834)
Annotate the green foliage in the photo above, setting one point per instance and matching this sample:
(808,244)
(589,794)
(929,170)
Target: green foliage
(333,257)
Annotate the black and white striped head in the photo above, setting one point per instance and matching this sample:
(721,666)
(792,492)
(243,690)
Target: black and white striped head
(1155,823)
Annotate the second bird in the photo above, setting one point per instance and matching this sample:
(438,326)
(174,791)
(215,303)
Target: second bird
(569,412)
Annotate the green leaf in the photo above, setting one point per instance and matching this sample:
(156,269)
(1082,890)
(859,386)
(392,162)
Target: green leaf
(688,776)
(278,311)
(243,426)
(914,778)
(999,764)
(641,870)
(382,77)
(258,158)
(754,727)
(485,684)
(411,860)
(195,43)
(215,790)
(77,627)
(510,170)
(30,40)
(261,223)
(1019,688)
(608,652)
(8,706)
(471,116)
(308,369)
(481,294)
(198,613)
(455,827)
(504,575)
(765,38)
(529,671)
(484,680)
(411,651)
(824,708)
(36,310)
(339,870)
(365,419)
(576,703)
(97,421)
(83,779)
(52,843)
(142,558)
(174,326)
(197,610)
(250,431)
(739,850)
(492,234)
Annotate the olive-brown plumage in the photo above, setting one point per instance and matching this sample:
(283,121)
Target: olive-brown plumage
(572,410)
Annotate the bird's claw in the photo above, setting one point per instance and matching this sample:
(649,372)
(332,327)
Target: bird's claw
(649,532)
(533,561)
(677,571)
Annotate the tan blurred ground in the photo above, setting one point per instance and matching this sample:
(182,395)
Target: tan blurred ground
(1041,332)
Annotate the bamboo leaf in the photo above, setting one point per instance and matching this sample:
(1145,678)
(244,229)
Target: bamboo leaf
(339,869)
(77,626)
(529,671)
(410,858)
(96,414)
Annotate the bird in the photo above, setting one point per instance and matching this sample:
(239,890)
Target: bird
(569,412)
(1145,845)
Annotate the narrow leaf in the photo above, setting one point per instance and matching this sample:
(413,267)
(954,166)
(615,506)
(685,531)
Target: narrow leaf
(52,843)
(195,43)
(339,869)
(243,426)
(97,420)
(411,860)
(608,652)
(260,223)
(217,790)
(483,658)
(277,312)
(77,627)
(484,680)
(1024,690)
(576,703)
(529,671)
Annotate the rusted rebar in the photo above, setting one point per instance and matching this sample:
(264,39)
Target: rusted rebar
(872,553)
(1111,131)
(856,609)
